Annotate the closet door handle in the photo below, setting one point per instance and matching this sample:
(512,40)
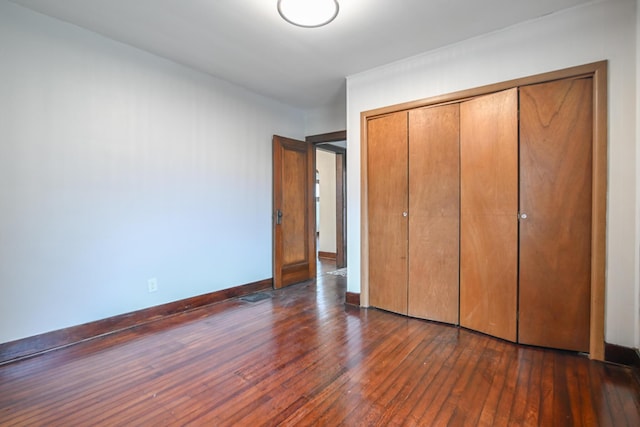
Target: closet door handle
(405,213)
(522,216)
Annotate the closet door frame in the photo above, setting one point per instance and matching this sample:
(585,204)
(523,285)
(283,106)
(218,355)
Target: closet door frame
(598,71)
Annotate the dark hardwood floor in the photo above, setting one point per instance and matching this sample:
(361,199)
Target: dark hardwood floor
(301,357)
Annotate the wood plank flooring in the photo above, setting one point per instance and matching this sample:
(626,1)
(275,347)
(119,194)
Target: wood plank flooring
(301,357)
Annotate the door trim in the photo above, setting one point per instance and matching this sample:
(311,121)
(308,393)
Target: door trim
(322,141)
(598,71)
(324,138)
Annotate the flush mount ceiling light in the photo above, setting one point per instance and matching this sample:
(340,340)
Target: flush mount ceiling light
(308,13)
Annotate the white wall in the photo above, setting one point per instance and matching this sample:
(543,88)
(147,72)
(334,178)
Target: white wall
(326,119)
(602,30)
(117,166)
(637,234)
(326,166)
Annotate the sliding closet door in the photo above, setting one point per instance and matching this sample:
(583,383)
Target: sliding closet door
(388,210)
(555,195)
(434,212)
(488,217)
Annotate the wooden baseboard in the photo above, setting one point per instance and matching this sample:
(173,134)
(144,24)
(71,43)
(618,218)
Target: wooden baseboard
(327,255)
(352,298)
(622,355)
(38,344)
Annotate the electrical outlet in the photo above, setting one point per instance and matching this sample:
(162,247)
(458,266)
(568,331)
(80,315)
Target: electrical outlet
(152,284)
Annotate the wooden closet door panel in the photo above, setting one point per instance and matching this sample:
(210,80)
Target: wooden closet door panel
(488,214)
(387,200)
(434,212)
(488,274)
(555,193)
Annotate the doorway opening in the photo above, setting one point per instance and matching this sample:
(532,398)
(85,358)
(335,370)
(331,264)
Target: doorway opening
(330,198)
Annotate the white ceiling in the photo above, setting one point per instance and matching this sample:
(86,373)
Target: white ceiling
(247,43)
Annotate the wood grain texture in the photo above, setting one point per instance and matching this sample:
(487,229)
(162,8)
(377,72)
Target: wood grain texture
(364,210)
(555,192)
(294,200)
(327,255)
(340,135)
(301,358)
(293,195)
(599,210)
(488,275)
(387,200)
(30,346)
(434,213)
(488,218)
(352,298)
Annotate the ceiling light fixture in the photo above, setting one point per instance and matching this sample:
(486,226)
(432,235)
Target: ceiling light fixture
(308,13)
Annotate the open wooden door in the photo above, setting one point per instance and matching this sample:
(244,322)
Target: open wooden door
(294,217)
